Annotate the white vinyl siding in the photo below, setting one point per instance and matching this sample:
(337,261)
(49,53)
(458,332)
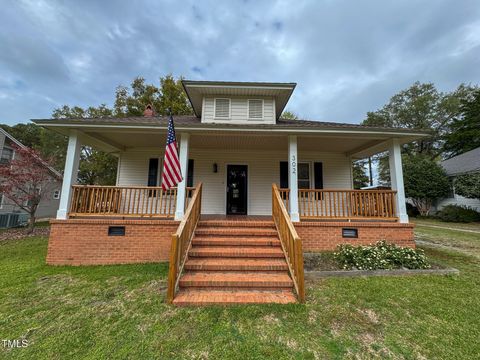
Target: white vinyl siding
(255,109)
(239,111)
(222,108)
(263,170)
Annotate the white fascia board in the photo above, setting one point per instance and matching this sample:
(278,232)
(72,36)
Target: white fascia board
(292,131)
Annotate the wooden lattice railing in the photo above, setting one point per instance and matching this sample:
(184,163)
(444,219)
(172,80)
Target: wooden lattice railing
(181,241)
(125,201)
(344,204)
(291,242)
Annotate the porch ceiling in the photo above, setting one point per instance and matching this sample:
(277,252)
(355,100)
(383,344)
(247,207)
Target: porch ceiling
(115,141)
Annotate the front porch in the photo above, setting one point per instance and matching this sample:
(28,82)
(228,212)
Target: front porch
(152,202)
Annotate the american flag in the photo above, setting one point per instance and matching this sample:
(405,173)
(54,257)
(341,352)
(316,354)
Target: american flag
(172,174)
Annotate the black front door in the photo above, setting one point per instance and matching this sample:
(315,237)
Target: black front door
(237,176)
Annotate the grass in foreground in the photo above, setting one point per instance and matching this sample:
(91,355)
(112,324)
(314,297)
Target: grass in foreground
(118,312)
(466,242)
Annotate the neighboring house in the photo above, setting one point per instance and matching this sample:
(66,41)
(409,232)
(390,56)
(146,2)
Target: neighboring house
(49,204)
(465,163)
(236,145)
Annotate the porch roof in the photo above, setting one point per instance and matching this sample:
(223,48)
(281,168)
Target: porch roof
(114,134)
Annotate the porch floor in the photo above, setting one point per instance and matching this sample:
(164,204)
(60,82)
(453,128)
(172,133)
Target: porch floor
(206,217)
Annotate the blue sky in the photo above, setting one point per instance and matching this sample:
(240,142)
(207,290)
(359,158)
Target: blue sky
(348,57)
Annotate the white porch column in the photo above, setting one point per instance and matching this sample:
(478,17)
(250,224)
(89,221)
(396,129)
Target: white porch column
(396,178)
(180,208)
(70,173)
(293,177)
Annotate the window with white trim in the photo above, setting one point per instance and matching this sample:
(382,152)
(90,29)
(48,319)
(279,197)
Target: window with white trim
(222,108)
(255,109)
(56,194)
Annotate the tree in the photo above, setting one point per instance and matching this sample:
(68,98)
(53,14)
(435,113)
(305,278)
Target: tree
(170,95)
(290,115)
(26,180)
(425,181)
(421,107)
(468,185)
(96,167)
(360,178)
(50,144)
(464,134)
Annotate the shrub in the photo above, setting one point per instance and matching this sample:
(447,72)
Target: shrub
(457,213)
(380,255)
(412,210)
(425,181)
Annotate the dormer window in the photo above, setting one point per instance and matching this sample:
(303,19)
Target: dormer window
(222,108)
(255,109)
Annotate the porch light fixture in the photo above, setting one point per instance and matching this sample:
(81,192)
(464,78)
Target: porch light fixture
(215,167)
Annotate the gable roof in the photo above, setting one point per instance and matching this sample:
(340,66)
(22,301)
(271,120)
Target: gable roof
(18,143)
(463,163)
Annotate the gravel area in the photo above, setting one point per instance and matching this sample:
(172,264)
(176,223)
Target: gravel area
(19,233)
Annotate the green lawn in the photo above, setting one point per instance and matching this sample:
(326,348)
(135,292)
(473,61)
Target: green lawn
(118,312)
(433,232)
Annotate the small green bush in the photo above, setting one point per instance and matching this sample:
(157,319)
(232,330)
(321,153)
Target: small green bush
(456,213)
(380,255)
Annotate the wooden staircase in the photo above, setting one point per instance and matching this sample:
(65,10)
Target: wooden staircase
(235,262)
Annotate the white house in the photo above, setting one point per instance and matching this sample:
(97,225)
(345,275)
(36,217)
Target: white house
(236,145)
(468,162)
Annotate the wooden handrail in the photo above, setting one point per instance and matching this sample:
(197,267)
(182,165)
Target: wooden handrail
(291,242)
(344,204)
(182,240)
(125,201)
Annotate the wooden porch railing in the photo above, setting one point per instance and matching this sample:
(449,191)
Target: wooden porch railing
(344,204)
(125,201)
(181,241)
(291,242)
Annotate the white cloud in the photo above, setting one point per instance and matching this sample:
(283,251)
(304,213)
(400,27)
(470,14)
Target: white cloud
(347,57)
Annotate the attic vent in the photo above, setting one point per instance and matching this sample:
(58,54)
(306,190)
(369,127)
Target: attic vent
(255,109)
(222,108)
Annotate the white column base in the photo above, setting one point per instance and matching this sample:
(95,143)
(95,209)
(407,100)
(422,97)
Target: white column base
(295,217)
(179,215)
(403,218)
(62,214)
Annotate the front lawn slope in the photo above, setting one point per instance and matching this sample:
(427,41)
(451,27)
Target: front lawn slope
(118,312)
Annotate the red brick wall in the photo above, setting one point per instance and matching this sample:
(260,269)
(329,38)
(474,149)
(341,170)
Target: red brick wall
(86,242)
(321,236)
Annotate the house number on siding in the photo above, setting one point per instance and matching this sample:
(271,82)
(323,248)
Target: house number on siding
(293,164)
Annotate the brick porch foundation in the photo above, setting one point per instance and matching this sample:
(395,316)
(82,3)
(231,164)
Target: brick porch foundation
(325,236)
(87,242)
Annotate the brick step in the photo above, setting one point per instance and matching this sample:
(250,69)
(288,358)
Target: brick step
(244,279)
(242,224)
(194,297)
(235,231)
(237,251)
(219,264)
(236,241)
